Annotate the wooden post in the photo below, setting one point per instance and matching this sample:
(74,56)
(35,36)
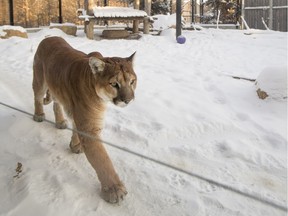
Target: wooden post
(146,25)
(90,29)
(89,25)
(201,11)
(136,22)
(146,19)
(270,23)
(86,9)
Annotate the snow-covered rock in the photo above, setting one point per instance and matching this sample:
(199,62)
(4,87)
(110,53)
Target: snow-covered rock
(8,31)
(68,28)
(272,82)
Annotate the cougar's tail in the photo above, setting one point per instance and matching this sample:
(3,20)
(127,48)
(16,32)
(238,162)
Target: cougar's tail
(47,98)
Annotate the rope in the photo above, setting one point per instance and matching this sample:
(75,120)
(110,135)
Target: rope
(253,195)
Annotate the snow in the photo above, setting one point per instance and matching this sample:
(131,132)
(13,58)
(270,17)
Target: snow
(100,12)
(62,24)
(2,33)
(189,112)
(164,21)
(273,80)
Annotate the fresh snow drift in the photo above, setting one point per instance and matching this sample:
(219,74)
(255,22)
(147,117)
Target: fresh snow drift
(273,80)
(161,22)
(189,112)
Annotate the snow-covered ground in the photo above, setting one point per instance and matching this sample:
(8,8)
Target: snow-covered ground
(189,112)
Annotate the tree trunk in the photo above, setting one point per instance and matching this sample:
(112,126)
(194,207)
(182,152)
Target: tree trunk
(148,7)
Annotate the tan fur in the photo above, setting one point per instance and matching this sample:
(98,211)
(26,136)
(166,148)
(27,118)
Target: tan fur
(82,84)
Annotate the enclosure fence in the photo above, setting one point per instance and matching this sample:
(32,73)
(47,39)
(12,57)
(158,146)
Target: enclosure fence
(37,13)
(274,13)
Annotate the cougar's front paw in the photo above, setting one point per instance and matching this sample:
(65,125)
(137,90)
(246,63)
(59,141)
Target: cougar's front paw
(61,125)
(114,194)
(39,118)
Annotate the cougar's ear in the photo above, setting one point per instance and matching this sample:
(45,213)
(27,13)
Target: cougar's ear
(96,65)
(131,58)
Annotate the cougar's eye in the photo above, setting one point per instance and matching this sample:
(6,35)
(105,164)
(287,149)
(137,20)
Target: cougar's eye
(132,82)
(115,85)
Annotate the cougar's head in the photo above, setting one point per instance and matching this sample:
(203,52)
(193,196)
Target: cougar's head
(115,79)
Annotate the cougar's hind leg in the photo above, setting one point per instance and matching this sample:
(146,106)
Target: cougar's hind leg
(61,122)
(39,88)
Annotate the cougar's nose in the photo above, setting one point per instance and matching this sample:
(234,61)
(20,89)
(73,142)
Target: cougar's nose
(126,101)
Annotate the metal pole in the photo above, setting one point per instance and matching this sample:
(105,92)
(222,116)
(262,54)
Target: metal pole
(178,18)
(11,14)
(193,11)
(60,12)
(238,9)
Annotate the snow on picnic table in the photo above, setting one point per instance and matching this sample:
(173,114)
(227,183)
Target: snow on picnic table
(189,112)
(108,12)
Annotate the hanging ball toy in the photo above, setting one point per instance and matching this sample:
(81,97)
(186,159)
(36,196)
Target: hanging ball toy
(181,39)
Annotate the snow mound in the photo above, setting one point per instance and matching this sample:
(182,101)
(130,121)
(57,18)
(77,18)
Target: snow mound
(273,81)
(62,24)
(164,21)
(67,28)
(49,33)
(169,33)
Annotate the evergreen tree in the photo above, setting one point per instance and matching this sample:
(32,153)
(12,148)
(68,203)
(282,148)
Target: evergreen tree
(228,10)
(159,7)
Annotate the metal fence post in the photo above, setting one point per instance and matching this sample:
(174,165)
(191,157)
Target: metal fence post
(192,11)
(11,13)
(60,12)
(178,18)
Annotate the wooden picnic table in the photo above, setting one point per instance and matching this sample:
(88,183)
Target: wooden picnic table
(112,13)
